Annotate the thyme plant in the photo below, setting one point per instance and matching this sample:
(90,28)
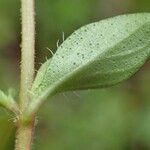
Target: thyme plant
(97,55)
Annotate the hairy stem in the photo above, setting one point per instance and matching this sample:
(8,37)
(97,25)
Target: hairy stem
(28,48)
(24,136)
(25,131)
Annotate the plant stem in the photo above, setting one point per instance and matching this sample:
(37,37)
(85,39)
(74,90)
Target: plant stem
(25,131)
(28,48)
(24,136)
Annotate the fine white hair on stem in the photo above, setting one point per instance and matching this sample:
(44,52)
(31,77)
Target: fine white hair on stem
(63,36)
(46,58)
(50,51)
(57,44)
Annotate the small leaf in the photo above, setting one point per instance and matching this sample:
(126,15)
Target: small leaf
(8,102)
(97,55)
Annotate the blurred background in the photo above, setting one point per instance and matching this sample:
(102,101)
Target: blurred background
(116,118)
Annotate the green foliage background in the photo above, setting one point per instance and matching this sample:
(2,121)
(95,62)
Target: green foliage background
(116,118)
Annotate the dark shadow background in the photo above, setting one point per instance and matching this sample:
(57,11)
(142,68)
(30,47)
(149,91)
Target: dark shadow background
(116,118)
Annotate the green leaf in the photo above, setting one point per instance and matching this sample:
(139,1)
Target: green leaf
(8,102)
(97,55)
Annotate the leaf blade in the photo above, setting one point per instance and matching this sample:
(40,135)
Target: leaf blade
(97,55)
(8,102)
